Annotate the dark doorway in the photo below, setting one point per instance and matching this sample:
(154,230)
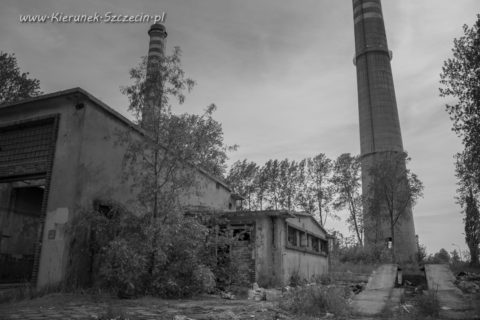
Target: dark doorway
(19,229)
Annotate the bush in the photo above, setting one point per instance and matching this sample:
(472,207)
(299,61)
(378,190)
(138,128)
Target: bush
(295,279)
(176,256)
(360,255)
(316,300)
(122,267)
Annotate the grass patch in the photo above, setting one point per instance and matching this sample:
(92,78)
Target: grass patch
(316,300)
(428,304)
(114,314)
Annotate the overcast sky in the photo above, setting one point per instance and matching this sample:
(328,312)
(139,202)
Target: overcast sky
(280,72)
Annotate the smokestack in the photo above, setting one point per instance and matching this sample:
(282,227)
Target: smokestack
(380,133)
(156,51)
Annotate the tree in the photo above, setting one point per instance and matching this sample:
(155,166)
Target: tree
(271,173)
(455,257)
(346,179)
(421,253)
(472,227)
(15,85)
(162,166)
(442,256)
(242,177)
(392,188)
(460,79)
(288,184)
(467,194)
(319,172)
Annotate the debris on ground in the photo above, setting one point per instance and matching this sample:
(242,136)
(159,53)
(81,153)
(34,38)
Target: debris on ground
(468,282)
(256,293)
(261,294)
(227,295)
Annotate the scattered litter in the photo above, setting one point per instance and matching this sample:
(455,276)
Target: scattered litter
(407,307)
(227,295)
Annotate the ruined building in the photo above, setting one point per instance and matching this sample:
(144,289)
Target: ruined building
(380,134)
(58,155)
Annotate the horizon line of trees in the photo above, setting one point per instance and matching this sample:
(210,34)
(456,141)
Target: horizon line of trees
(320,186)
(311,185)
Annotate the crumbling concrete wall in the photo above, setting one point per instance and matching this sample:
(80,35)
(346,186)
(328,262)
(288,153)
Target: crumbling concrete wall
(303,262)
(275,262)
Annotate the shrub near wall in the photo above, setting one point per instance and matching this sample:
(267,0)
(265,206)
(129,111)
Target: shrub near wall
(175,256)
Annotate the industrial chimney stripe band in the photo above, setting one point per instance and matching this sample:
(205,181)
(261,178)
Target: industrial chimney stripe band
(365,6)
(368,15)
(367,10)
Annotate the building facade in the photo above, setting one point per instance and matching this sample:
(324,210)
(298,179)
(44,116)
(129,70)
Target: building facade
(58,155)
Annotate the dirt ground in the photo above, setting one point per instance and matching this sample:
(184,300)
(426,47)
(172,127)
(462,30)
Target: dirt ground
(78,306)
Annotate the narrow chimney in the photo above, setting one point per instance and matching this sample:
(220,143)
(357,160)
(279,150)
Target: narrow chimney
(380,133)
(156,49)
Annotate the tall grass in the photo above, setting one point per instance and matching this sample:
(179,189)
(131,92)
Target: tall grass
(316,300)
(428,304)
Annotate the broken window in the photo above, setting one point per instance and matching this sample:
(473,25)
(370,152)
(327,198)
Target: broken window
(324,246)
(104,209)
(241,233)
(292,236)
(303,239)
(315,244)
(389,243)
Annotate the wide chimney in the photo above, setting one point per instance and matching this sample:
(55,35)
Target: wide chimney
(154,85)
(380,134)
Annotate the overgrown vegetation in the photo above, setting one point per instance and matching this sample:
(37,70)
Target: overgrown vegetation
(152,247)
(428,304)
(316,300)
(392,192)
(460,80)
(189,256)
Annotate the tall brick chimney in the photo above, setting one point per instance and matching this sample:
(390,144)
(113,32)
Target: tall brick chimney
(156,51)
(380,134)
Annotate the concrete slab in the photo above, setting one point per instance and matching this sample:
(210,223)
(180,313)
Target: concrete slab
(370,302)
(453,303)
(440,277)
(383,277)
(378,292)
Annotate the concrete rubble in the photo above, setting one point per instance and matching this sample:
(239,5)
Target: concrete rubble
(261,294)
(468,282)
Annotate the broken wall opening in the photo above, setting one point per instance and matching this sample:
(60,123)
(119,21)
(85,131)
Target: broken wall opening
(243,251)
(20,221)
(27,149)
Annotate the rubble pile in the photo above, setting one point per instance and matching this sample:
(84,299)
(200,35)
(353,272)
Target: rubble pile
(468,282)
